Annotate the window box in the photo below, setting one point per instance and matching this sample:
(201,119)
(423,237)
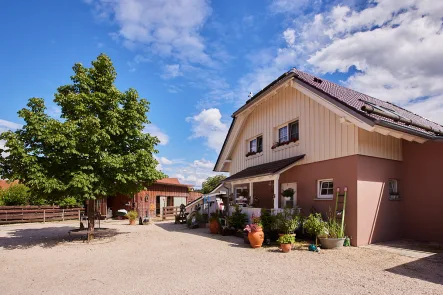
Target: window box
(251,154)
(277,144)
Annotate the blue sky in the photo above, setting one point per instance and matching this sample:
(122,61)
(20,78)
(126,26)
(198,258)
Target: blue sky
(197,60)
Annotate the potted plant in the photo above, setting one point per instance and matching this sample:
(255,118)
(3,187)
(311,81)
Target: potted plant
(237,221)
(255,233)
(214,226)
(333,236)
(269,223)
(132,216)
(286,242)
(314,225)
(288,194)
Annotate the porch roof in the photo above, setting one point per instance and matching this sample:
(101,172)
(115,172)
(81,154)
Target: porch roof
(264,169)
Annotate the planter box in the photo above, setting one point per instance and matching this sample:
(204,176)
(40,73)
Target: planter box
(327,243)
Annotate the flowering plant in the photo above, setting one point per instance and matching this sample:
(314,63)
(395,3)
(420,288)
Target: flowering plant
(255,226)
(252,228)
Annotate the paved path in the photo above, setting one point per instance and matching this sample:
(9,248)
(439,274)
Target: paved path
(170,259)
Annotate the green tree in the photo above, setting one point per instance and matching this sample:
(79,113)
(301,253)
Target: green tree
(211,183)
(97,149)
(15,195)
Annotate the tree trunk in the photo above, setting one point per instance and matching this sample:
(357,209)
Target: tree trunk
(91,219)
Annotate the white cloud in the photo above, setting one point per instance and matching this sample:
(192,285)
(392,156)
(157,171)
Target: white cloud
(165,161)
(285,6)
(172,71)
(8,125)
(5,126)
(204,163)
(167,28)
(289,36)
(395,45)
(155,131)
(208,125)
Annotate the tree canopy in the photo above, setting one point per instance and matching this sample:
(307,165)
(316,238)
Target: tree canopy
(97,148)
(211,183)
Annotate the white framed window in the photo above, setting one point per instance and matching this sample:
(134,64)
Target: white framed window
(325,189)
(289,132)
(393,187)
(256,145)
(283,134)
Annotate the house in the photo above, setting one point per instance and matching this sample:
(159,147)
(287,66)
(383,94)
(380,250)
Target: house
(164,192)
(314,136)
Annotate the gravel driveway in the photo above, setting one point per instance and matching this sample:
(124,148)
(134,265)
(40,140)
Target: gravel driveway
(171,259)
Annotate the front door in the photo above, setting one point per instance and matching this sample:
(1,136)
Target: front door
(286,202)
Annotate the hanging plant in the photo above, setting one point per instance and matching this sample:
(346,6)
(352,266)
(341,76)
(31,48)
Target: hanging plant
(288,193)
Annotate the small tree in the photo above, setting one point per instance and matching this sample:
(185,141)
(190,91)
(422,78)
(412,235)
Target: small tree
(211,183)
(15,195)
(97,149)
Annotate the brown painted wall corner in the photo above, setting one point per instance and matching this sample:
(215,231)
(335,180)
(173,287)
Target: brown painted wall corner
(344,173)
(421,190)
(379,219)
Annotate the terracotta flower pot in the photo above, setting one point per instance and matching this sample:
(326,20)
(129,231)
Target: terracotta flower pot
(214,227)
(256,238)
(286,247)
(131,221)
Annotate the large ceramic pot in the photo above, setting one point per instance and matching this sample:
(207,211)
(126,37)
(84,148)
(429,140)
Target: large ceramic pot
(131,221)
(327,243)
(286,247)
(256,238)
(214,227)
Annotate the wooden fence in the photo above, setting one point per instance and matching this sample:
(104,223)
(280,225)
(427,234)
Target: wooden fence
(170,211)
(22,214)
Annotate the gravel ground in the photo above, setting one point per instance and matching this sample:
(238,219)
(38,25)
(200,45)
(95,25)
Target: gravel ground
(170,259)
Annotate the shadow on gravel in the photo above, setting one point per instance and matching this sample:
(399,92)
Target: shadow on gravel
(47,237)
(202,232)
(427,269)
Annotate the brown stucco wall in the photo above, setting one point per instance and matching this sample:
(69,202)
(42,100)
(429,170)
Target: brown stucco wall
(344,173)
(421,190)
(378,218)
(265,193)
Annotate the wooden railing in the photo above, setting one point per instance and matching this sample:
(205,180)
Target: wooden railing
(170,211)
(22,214)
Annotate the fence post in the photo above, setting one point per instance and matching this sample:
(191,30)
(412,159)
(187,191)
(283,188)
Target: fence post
(22,214)
(63,215)
(44,216)
(79,216)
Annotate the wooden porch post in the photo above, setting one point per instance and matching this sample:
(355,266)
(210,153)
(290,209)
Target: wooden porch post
(251,192)
(276,191)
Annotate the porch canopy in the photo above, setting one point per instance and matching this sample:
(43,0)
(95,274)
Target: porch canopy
(265,172)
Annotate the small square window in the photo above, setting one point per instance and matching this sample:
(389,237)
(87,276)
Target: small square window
(325,189)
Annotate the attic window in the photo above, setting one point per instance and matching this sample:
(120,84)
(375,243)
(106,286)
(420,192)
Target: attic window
(317,80)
